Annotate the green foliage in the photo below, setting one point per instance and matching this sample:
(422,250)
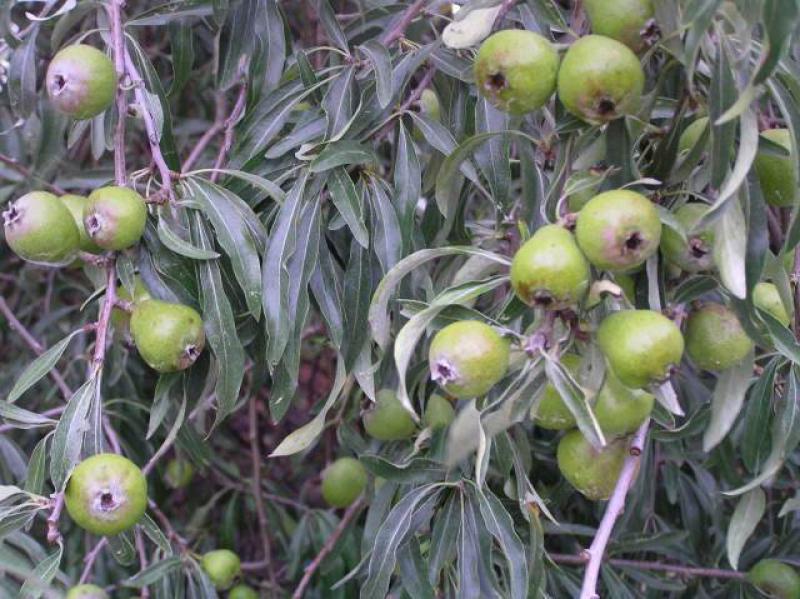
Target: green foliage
(327,189)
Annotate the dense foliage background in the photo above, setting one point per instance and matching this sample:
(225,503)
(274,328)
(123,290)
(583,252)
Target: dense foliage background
(325,227)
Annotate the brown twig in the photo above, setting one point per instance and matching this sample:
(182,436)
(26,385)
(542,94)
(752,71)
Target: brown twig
(399,28)
(172,534)
(255,458)
(679,569)
(30,175)
(37,347)
(615,506)
(211,133)
(91,558)
(145,592)
(118,47)
(348,517)
(230,123)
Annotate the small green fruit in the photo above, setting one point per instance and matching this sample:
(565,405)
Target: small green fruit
(120,318)
(429,105)
(696,254)
(775,579)
(39,228)
(439,412)
(777,175)
(467,358)
(552,413)
(549,271)
(242,591)
(715,340)
(106,494)
(222,567)
(600,80)
(627,21)
(77,205)
(387,419)
(115,217)
(618,230)
(169,337)
(87,591)
(641,346)
(81,81)
(691,135)
(767,298)
(591,471)
(179,473)
(343,481)
(620,410)
(516,70)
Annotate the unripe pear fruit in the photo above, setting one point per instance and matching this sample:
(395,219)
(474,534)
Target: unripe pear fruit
(516,70)
(179,473)
(439,412)
(77,205)
(222,567)
(696,253)
(715,339)
(620,410)
(429,105)
(87,591)
(106,494)
(593,472)
(343,481)
(169,336)
(767,298)
(115,217)
(120,318)
(641,347)
(467,358)
(552,413)
(600,80)
(39,228)
(387,419)
(691,135)
(549,271)
(626,21)
(777,175)
(242,591)
(618,230)
(775,579)
(81,81)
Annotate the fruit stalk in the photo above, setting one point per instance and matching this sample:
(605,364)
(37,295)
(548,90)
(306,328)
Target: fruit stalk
(615,506)
(255,458)
(351,513)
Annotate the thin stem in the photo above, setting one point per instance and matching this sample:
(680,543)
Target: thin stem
(255,458)
(37,347)
(615,506)
(230,123)
(679,569)
(105,315)
(172,534)
(145,592)
(348,517)
(53,534)
(211,133)
(30,175)
(91,558)
(114,8)
(399,28)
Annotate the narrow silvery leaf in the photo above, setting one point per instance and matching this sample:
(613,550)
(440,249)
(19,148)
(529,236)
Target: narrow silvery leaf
(746,516)
(69,433)
(727,400)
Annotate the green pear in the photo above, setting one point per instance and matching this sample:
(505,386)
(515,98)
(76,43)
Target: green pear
(600,80)
(516,70)
(715,339)
(343,481)
(179,473)
(618,230)
(169,337)
(39,228)
(106,494)
(775,579)
(641,347)
(387,419)
(777,175)
(242,591)
(77,205)
(439,412)
(468,358)
(691,135)
(549,271)
(593,472)
(627,21)
(696,253)
(81,81)
(552,413)
(115,217)
(121,319)
(620,410)
(767,298)
(222,567)
(87,591)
